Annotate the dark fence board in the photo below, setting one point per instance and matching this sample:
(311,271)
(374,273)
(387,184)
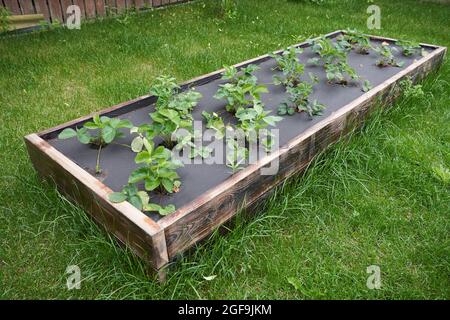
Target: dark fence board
(57,9)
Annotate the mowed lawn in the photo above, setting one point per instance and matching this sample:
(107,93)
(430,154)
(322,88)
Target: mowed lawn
(380,197)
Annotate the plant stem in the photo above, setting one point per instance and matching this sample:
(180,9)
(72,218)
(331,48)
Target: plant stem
(97,165)
(121,144)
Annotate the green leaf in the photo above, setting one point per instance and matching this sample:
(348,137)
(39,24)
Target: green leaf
(167,210)
(136,202)
(67,134)
(108,134)
(90,125)
(83,136)
(151,184)
(137,144)
(117,197)
(152,207)
(96,119)
(143,156)
(168,185)
(125,124)
(145,198)
(137,175)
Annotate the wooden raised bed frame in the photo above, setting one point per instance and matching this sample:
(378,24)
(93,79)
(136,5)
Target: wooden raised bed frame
(159,242)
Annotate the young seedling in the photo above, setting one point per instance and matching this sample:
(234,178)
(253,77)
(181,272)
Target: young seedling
(359,41)
(334,57)
(366,86)
(99,132)
(298,101)
(140,200)
(314,109)
(172,111)
(239,95)
(159,169)
(186,140)
(215,122)
(164,87)
(243,76)
(235,155)
(409,48)
(252,120)
(289,63)
(387,56)
(298,97)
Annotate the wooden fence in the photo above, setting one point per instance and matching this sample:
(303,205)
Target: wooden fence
(56,9)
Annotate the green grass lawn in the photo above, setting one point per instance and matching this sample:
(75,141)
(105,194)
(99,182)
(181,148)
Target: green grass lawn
(380,197)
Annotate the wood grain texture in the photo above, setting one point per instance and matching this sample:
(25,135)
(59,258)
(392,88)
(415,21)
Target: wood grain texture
(120,5)
(90,8)
(27,6)
(100,7)
(13,6)
(55,11)
(41,7)
(128,224)
(64,5)
(139,4)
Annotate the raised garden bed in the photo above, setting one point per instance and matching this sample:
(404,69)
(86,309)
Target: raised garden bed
(210,195)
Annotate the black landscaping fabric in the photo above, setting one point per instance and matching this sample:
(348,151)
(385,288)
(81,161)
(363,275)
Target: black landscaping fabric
(117,162)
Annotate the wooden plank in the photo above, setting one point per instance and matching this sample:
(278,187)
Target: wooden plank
(120,5)
(27,7)
(198,219)
(64,5)
(100,7)
(41,7)
(139,4)
(156,3)
(129,4)
(110,7)
(128,224)
(13,6)
(55,11)
(90,8)
(80,3)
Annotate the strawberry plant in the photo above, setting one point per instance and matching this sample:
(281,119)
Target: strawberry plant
(99,132)
(243,76)
(251,120)
(387,56)
(242,88)
(140,200)
(367,86)
(215,122)
(172,111)
(239,95)
(409,48)
(298,101)
(358,41)
(236,155)
(289,63)
(164,87)
(159,169)
(334,57)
